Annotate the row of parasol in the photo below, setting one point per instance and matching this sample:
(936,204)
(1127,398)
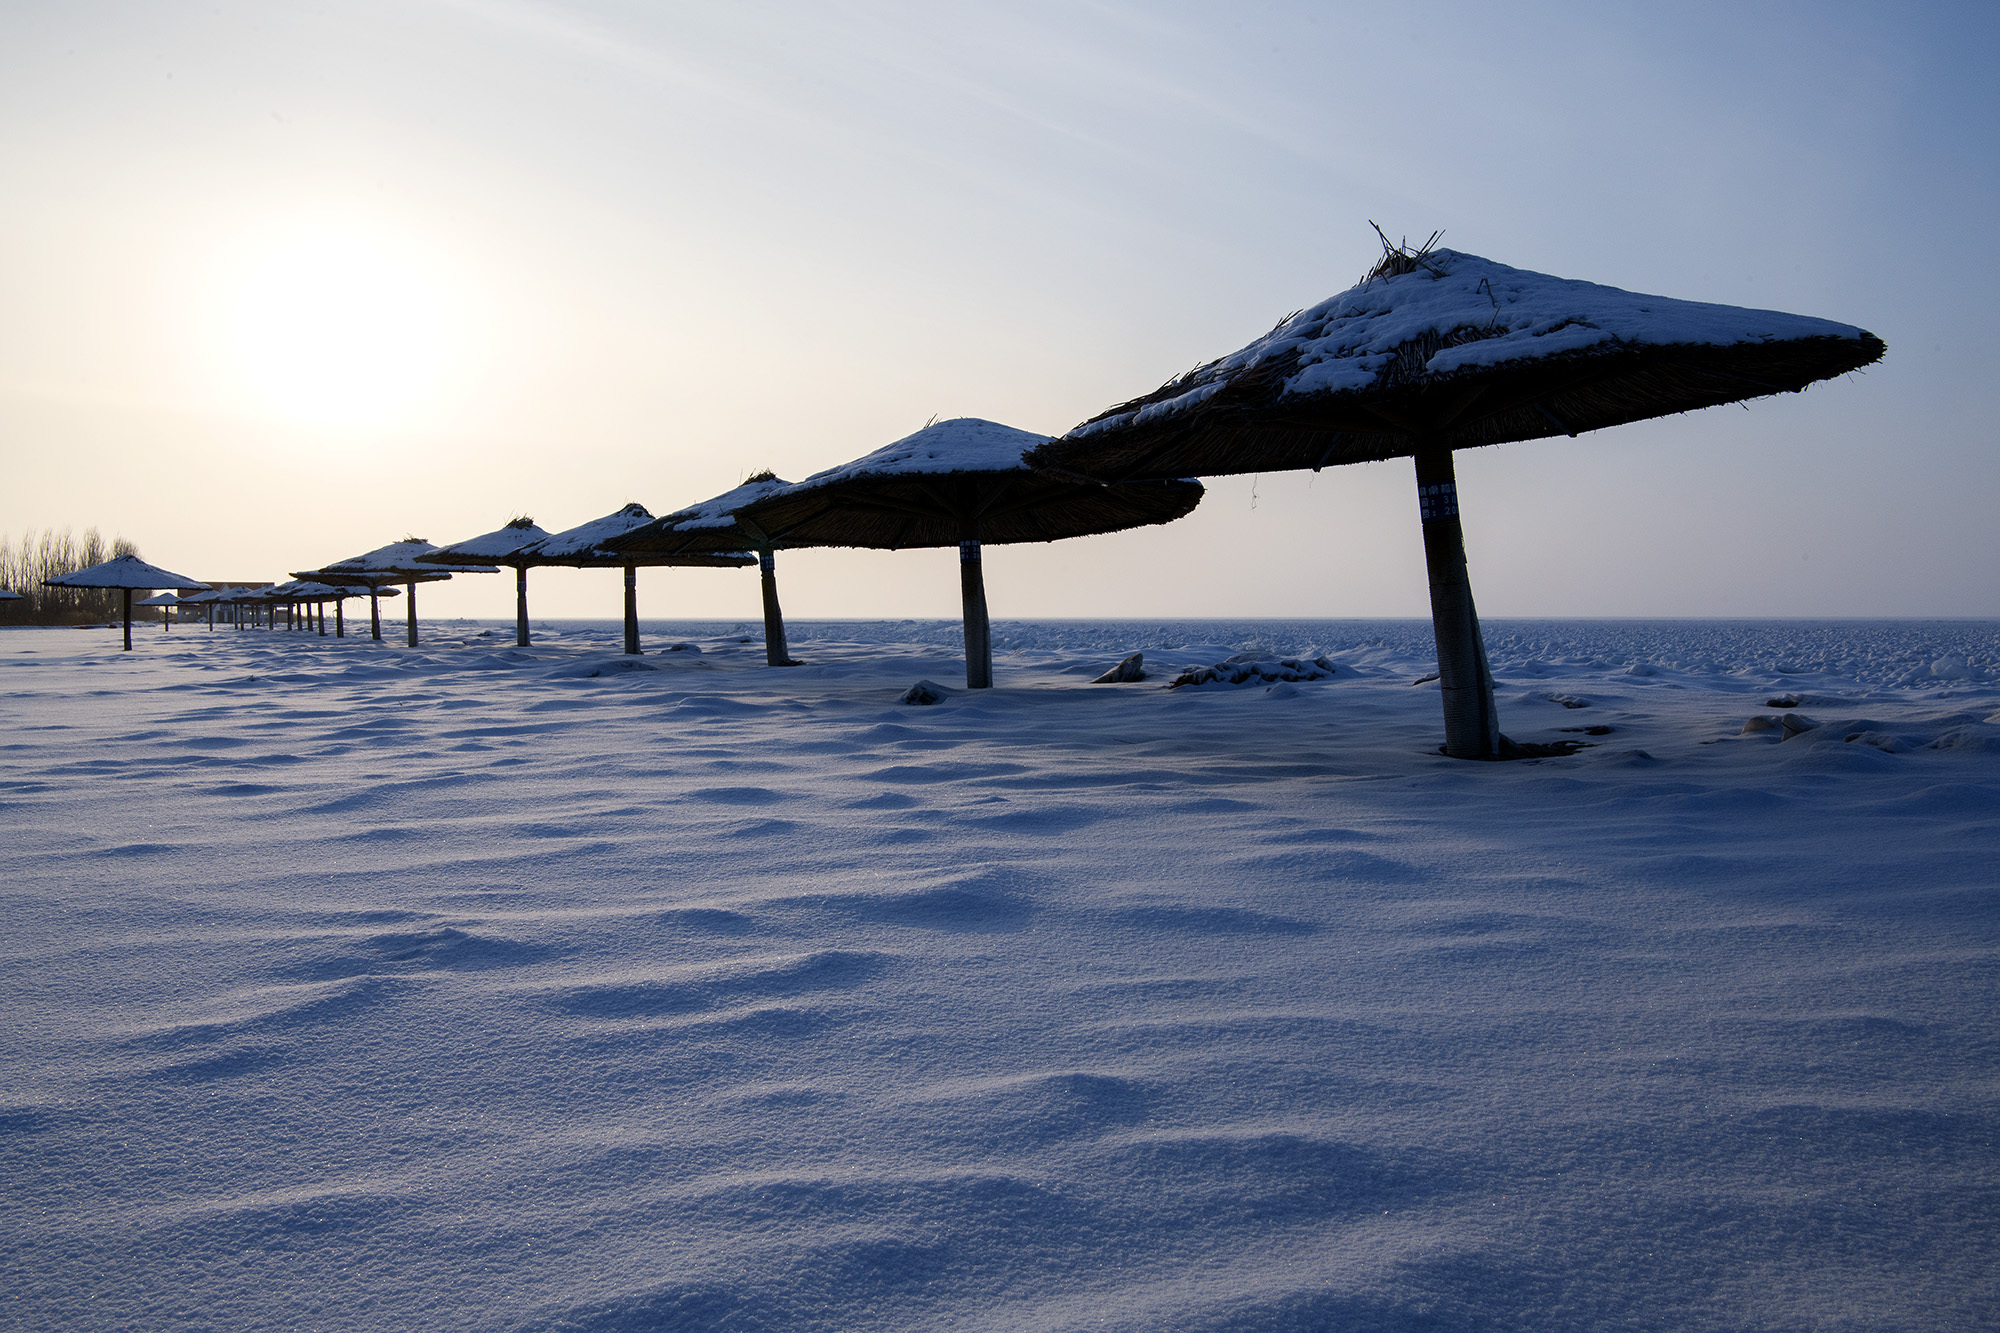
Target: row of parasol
(1432,352)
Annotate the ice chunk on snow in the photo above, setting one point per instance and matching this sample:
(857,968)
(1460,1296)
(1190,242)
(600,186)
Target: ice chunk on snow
(1255,669)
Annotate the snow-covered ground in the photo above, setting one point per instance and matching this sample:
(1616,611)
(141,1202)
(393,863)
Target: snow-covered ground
(348,986)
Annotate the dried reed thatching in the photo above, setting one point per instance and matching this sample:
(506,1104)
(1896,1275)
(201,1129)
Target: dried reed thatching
(1435,349)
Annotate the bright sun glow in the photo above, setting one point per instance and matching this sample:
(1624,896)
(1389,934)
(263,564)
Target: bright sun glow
(334,326)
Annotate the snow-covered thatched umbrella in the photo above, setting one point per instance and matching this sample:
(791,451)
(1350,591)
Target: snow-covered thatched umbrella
(959,483)
(205,600)
(1435,351)
(306,600)
(211,599)
(502,546)
(166,600)
(386,565)
(129,574)
(314,595)
(338,595)
(8,595)
(586,546)
(718,525)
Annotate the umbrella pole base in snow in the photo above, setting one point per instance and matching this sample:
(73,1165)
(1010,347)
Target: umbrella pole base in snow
(978,635)
(1471,723)
(521,606)
(632,609)
(776,651)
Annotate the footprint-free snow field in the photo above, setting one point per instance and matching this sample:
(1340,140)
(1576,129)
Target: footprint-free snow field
(354,987)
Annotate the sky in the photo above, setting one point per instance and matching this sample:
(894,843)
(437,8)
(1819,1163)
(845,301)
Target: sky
(281,284)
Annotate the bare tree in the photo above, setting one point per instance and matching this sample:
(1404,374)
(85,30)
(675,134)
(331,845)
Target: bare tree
(45,554)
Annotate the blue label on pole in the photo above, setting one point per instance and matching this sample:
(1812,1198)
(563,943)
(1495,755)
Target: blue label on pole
(968,551)
(1439,501)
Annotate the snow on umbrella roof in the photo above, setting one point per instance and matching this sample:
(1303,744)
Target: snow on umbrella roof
(394,563)
(127,571)
(160,599)
(495,545)
(7,595)
(587,544)
(955,480)
(1439,349)
(709,526)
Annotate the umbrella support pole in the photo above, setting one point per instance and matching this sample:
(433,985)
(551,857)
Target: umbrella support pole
(521,605)
(339,618)
(128,618)
(776,651)
(1471,724)
(978,635)
(410,611)
(375,615)
(632,609)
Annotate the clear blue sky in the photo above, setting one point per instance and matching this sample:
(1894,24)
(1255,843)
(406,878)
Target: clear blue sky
(279,283)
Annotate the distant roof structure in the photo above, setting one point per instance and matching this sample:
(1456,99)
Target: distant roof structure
(1440,349)
(127,571)
(957,480)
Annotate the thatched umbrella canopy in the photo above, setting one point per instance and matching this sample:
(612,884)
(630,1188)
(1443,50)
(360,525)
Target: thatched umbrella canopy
(8,595)
(129,574)
(277,594)
(322,593)
(959,483)
(719,525)
(305,601)
(209,600)
(164,599)
(1437,350)
(588,546)
(502,546)
(314,595)
(395,563)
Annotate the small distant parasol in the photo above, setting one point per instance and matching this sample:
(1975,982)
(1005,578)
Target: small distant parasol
(166,600)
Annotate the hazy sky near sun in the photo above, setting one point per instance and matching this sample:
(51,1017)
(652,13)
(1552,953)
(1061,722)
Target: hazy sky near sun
(282,283)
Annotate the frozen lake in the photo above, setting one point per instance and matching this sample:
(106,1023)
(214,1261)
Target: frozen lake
(350,986)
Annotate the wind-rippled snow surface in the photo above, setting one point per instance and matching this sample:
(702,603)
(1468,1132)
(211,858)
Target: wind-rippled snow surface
(349,986)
